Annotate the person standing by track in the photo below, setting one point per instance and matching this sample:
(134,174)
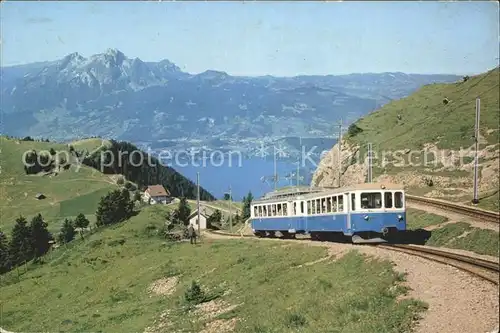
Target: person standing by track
(191,234)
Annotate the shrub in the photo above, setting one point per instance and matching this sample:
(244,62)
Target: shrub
(354,130)
(194,294)
(295,320)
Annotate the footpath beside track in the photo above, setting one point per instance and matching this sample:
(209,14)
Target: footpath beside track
(482,214)
(485,269)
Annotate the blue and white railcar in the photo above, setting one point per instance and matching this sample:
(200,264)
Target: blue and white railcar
(364,208)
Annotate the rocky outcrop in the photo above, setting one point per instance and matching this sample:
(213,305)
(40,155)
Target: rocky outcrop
(433,172)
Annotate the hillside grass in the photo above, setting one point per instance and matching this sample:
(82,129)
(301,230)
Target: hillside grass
(70,192)
(419,219)
(101,284)
(90,144)
(463,236)
(426,119)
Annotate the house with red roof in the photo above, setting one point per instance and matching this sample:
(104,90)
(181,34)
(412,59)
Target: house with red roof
(157,194)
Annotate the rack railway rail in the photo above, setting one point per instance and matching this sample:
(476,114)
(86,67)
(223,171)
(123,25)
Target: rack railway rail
(485,269)
(484,215)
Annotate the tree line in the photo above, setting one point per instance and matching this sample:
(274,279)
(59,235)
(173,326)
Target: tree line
(35,163)
(141,168)
(31,241)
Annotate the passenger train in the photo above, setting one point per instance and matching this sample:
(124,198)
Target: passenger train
(371,208)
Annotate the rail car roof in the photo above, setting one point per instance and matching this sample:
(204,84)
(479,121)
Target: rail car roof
(324,191)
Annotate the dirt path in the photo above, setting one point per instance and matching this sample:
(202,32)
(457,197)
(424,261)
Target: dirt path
(458,301)
(454,217)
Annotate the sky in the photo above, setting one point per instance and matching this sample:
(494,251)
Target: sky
(262,38)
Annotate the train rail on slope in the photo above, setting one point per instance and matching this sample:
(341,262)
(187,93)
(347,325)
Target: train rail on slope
(485,215)
(485,269)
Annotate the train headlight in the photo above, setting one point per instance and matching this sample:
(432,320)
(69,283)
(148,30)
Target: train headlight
(366,217)
(400,217)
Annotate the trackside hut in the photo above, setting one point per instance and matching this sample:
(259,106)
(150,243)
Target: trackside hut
(193,220)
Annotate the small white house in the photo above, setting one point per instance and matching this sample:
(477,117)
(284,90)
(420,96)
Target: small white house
(155,194)
(193,219)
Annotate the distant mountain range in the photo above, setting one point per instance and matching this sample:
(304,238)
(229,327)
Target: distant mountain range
(112,96)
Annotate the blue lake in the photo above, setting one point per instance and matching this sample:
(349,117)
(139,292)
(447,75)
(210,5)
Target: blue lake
(245,175)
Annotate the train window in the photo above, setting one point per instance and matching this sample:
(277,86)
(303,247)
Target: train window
(341,203)
(294,208)
(255,211)
(302,206)
(313,204)
(273,210)
(398,199)
(285,211)
(323,205)
(328,205)
(309,210)
(353,201)
(269,210)
(334,204)
(260,210)
(264,211)
(279,213)
(318,206)
(371,200)
(388,199)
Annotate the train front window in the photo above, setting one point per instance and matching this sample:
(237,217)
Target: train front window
(398,199)
(328,205)
(388,199)
(285,211)
(371,200)
(301,206)
(341,203)
(255,212)
(353,201)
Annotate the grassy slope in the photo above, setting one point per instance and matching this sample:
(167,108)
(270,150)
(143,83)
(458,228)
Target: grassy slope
(425,119)
(112,269)
(67,194)
(418,219)
(455,235)
(90,144)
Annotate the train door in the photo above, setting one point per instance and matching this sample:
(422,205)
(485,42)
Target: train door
(348,209)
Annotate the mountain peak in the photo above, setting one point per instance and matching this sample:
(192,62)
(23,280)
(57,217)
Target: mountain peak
(114,52)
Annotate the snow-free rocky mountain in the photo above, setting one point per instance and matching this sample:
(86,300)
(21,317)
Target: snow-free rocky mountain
(113,96)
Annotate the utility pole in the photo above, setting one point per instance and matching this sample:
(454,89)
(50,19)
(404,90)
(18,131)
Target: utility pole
(198,201)
(339,144)
(298,171)
(275,176)
(370,162)
(230,209)
(475,200)
(298,162)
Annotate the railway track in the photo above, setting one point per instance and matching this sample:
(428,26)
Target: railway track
(484,215)
(487,270)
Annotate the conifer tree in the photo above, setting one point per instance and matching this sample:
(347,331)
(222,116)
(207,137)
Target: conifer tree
(81,222)
(4,253)
(183,211)
(40,236)
(67,233)
(20,247)
(247,201)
